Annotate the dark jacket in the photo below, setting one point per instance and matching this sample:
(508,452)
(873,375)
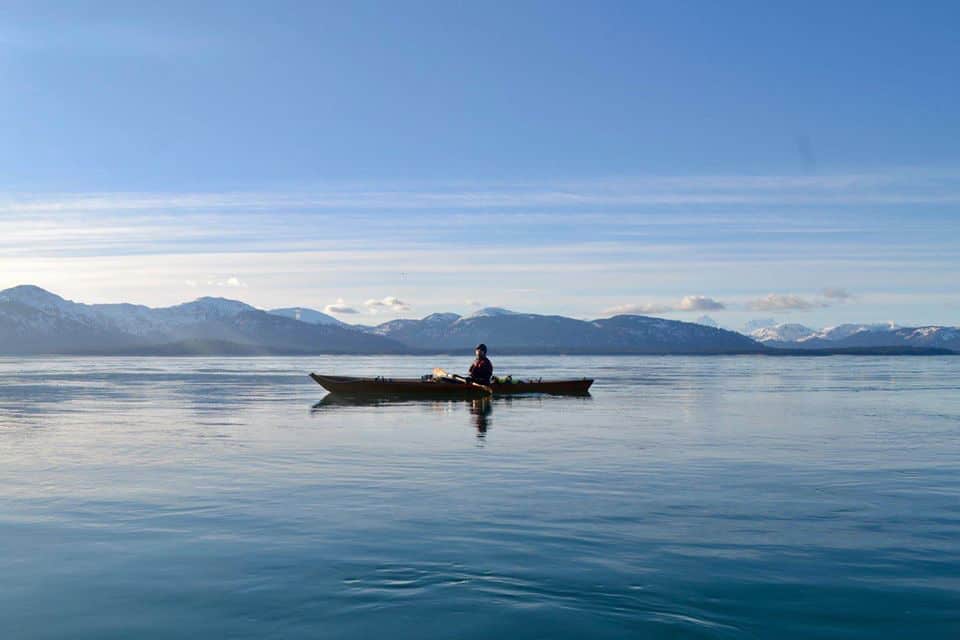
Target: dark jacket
(481,370)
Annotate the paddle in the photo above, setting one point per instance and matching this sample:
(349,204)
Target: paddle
(440,373)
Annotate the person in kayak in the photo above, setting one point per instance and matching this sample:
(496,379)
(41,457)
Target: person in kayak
(482,369)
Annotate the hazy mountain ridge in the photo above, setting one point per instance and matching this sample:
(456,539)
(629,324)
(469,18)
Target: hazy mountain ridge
(35,321)
(509,331)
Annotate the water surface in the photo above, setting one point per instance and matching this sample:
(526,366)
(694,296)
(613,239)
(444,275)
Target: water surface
(687,497)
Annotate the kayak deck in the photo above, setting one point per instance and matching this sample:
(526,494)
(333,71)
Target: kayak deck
(438,387)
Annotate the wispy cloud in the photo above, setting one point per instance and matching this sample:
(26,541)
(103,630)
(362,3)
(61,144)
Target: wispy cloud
(890,187)
(840,295)
(780,303)
(580,246)
(632,308)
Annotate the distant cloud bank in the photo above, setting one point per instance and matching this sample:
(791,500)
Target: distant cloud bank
(389,304)
(232,282)
(837,294)
(686,304)
(339,307)
(777,302)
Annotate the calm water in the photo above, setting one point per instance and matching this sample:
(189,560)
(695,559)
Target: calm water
(688,497)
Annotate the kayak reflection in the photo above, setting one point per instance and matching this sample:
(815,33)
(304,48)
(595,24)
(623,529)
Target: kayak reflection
(479,409)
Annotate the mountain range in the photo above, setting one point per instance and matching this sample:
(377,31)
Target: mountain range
(513,332)
(34,321)
(797,336)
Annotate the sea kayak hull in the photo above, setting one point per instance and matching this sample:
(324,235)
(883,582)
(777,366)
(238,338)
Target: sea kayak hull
(442,388)
(398,387)
(552,387)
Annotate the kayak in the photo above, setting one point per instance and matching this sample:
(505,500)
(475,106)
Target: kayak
(442,387)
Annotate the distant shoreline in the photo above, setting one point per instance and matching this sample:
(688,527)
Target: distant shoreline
(227,349)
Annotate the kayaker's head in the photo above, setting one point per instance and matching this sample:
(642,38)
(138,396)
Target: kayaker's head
(481,350)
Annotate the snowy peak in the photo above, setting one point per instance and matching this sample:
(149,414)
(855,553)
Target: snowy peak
(933,336)
(886,334)
(782,333)
(488,312)
(33,296)
(800,333)
(843,331)
(757,323)
(441,318)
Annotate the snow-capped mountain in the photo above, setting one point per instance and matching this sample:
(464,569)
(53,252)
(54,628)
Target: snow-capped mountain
(800,333)
(843,331)
(929,336)
(33,320)
(37,298)
(782,333)
(511,331)
(643,334)
(887,334)
(487,312)
(136,320)
(757,323)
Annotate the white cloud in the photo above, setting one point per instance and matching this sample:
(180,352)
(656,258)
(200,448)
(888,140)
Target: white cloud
(339,307)
(777,302)
(700,303)
(390,304)
(232,282)
(686,304)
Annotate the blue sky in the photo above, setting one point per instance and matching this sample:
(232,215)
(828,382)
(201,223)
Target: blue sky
(786,160)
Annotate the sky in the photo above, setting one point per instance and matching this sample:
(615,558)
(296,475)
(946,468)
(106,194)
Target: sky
(792,161)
